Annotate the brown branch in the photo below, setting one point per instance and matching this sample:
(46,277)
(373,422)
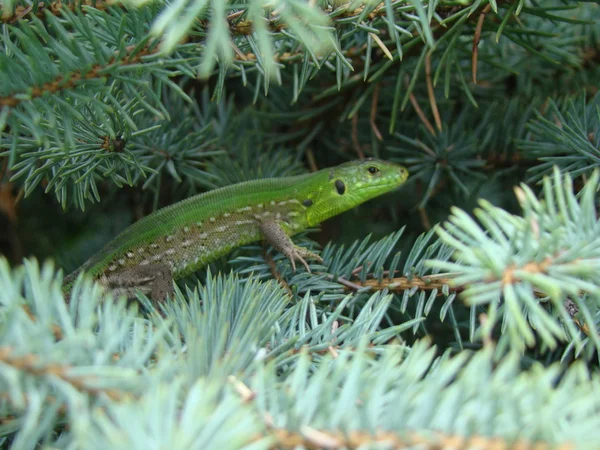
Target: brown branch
(399,284)
(70,80)
(67,81)
(429,283)
(32,364)
(509,277)
(26,12)
(313,438)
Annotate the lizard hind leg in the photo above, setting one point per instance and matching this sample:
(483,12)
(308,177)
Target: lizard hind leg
(155,280)
(162,288)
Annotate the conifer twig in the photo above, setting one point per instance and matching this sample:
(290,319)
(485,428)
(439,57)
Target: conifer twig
(399,284)
(314,438)
(30,363)
(355,141)
(420,113)
(476,39)
(431,93)
(373,115)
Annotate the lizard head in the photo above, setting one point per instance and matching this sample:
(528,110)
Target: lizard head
(343,187)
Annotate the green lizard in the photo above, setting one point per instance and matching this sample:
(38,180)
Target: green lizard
(179,239)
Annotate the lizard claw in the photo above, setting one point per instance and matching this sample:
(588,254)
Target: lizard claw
(278,238)
(297,253)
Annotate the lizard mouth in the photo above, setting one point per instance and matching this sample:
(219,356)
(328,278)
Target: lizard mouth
(391,180)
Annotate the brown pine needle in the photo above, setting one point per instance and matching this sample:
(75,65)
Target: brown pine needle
(312,163)
(382,46)
(355,142)
(421,114)
(238,52)
(476,39)
(432,102)
(374,113)
(419,111)
(424,219)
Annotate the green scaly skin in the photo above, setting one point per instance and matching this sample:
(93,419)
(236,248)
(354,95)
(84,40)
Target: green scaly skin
(187,235)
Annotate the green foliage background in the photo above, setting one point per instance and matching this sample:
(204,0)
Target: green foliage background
(459,311)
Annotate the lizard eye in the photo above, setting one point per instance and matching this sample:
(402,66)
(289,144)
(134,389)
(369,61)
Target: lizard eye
(373,170)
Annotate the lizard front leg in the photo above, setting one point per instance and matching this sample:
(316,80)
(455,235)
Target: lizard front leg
(153,279)
(278,238)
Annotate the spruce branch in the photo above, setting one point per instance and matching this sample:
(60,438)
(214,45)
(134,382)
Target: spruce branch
(401,284)
(303,21)
(244,363)
(316,439)
(48,377)
(452,153)
(71,63)
(324,405)
(452,394)
(73,81)
(253,162)
(322,384)
(31,364)
(153,149)
(505,261)
(195,414)
(364,269)
(567,137)
(23,103)
(38,9)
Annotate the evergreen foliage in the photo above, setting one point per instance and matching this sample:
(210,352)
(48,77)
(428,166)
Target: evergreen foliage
(461,311)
